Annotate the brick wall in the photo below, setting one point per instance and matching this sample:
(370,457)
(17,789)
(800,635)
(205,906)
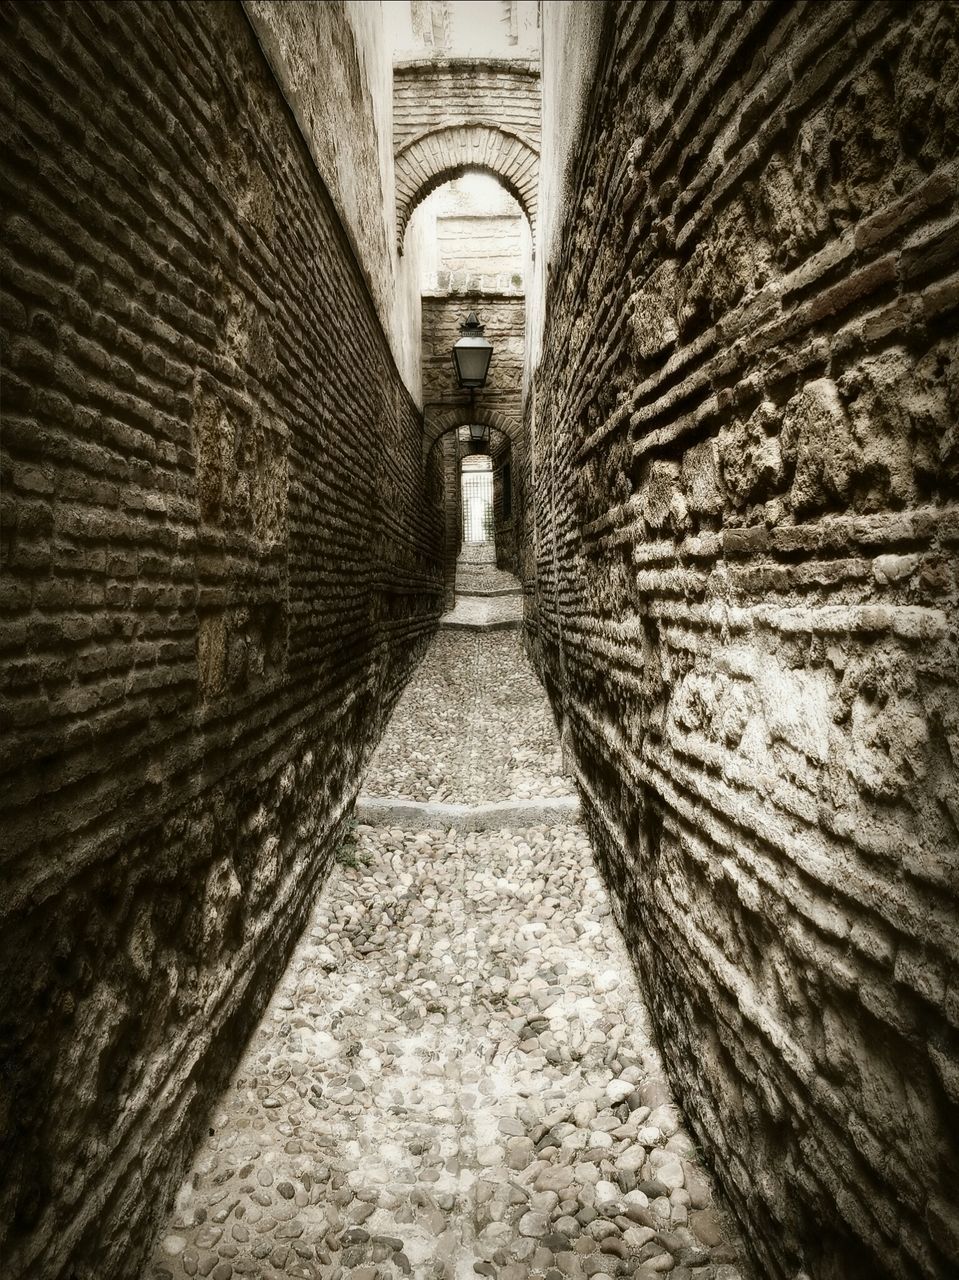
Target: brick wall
(454,117)
(504,504)
(502,316)
(745,468)
(447,448)
(219,569)
(430,95)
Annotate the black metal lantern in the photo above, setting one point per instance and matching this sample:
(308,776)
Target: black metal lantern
(472,354)
(479,438)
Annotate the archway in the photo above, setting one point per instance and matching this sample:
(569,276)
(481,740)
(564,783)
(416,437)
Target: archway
(438,423)
(440,155)
(502,496)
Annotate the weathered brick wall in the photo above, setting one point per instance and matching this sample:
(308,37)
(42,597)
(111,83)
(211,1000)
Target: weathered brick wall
(504,506)
(745,466)
(218,571)
(502,315)
(461,116)
(446,447)
(430,94)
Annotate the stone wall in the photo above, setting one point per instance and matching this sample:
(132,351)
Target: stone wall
(478,239)
(505,503)
(502,317)
(218,572)
(745,468)
(495,246)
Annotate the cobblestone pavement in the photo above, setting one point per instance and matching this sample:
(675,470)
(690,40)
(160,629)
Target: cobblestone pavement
(473,725)
(454,1078)
(477,574)
(485,579)
(485,596)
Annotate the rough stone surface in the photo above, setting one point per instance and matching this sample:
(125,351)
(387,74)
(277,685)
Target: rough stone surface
(218,573)
(477,574)
(744,442)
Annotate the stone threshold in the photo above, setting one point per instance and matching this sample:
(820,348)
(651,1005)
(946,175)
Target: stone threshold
(425,815)
(502,624)
(495,591)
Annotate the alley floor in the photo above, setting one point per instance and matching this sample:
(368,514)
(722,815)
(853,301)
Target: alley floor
(456,1075)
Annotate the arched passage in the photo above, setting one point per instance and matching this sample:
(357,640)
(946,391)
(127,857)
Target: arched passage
(451,436)
(440,155)
(437,424)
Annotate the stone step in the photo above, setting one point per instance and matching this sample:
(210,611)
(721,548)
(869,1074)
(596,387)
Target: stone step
(478,613)
(424,815)
(499,624)
(470,592)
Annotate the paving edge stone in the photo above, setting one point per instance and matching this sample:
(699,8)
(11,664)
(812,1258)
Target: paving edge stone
(498,592)
(382,811)
(504,624)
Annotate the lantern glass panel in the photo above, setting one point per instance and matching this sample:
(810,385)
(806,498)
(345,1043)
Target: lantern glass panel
(471,359)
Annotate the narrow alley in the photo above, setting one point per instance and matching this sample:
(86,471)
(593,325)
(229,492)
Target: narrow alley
(479,639)
(456,1075)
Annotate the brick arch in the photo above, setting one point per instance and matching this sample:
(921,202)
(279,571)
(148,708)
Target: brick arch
(438,156)
(439,423)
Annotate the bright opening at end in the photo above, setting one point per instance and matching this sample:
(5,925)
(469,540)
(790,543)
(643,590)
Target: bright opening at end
(477,494)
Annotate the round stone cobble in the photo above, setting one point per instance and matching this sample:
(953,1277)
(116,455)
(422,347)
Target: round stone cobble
(408,1107)
(473,726)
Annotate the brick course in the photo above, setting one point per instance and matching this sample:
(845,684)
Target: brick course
(219,569)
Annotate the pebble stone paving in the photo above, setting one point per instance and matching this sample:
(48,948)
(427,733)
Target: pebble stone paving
(456,1076)
(472,726)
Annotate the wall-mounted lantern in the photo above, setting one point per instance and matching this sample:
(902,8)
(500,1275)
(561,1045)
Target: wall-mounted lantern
(479,438)
(472,354)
